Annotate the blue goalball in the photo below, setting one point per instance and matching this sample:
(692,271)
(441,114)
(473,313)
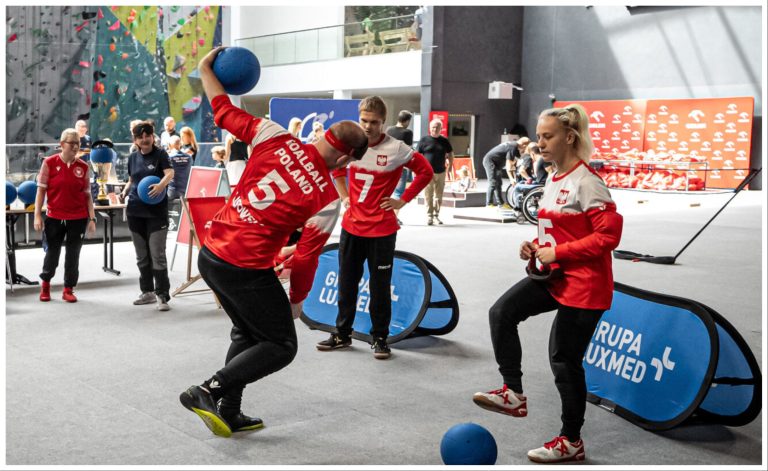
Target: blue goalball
(468,444)
(27,192)
(10,193)
(143,190)
(237,69)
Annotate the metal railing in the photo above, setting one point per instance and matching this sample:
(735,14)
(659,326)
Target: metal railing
(22,161)
(386,35)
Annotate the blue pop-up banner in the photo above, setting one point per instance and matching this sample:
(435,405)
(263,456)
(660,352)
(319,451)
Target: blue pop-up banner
(656,360)
(423,303)
(325,111)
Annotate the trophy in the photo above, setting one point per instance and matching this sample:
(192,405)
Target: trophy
(102,156)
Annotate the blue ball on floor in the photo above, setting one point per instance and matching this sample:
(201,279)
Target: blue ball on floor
(143,190)
(238,70)
(10,193)
(27,192)
(468,444)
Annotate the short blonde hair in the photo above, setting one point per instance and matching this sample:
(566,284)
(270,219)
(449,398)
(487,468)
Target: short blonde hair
(175,142)
(373,104)
(574,119)
(69,132)
(220,150)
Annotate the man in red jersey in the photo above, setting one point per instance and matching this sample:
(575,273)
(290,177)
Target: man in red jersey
(286,185)
(369,226)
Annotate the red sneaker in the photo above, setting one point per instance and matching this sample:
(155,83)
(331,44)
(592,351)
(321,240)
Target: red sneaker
(503,401)
(559,450)
(69,296)
(45,291)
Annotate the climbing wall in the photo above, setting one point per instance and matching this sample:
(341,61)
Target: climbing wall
(105,64)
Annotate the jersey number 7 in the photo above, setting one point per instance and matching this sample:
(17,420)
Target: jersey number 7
(367,182)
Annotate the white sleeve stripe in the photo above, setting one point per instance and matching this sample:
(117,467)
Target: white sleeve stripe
(325,219)
(267,130)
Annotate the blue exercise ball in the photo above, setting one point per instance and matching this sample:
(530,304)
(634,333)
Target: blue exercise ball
(468,444)
(143,190)
(102,155)
(10,193)
(27,192)
(237,69)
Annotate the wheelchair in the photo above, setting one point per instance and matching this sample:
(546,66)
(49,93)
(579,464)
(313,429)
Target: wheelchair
(528,202)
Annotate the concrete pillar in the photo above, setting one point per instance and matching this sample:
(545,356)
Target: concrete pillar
(342,94)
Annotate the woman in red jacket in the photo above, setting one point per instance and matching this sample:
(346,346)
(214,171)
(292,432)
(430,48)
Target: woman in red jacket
(65,181)
(578,229)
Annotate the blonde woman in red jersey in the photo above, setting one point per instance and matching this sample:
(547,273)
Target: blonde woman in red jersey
(578,229)
(65,181)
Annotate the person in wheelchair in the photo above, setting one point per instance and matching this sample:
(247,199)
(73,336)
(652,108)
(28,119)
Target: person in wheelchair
(541,170)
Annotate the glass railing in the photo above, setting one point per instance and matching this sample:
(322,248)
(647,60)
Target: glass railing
(22,161)
(387,35)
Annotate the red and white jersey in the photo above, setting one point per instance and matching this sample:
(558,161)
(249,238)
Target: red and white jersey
(374,177)
(285,186)
(578,217)
(67,187)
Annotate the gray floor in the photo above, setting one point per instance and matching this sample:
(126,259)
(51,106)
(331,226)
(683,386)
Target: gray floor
(97,382)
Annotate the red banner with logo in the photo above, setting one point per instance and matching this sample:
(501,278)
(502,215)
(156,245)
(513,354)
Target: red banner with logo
(443,117)
(616,126)
(717,131)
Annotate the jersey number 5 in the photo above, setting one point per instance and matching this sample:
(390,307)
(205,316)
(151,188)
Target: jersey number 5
(265,185)
(544,238)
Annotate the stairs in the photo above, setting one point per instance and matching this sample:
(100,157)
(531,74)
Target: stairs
(451,199)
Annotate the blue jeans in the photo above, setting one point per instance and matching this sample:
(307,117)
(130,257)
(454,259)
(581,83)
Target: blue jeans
(400,188)
(493,193)
(518,192)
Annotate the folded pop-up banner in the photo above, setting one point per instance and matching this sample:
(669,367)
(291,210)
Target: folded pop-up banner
(657,360)
(423,303)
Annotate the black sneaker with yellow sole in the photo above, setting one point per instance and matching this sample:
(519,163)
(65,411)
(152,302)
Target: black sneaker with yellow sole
(200,401)
(243,423)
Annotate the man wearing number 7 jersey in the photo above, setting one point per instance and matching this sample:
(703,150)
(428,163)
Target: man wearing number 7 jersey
(286,185)
(369,225)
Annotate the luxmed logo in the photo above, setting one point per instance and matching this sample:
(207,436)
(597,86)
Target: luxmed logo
(617,350)
(329,293)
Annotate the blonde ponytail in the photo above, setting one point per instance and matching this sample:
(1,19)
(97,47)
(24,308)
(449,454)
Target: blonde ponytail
(574,118)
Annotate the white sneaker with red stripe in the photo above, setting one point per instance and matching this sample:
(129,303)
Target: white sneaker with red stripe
(559,450)
(503,401)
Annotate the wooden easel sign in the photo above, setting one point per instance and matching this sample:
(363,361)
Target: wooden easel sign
(201,211)
(204,182)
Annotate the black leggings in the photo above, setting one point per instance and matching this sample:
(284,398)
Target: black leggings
(263,333)
(56,230)
(571,332)
(353,253)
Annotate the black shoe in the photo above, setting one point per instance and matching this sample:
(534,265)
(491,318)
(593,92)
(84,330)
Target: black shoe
(200,401)
(334,341)
(242,423)
(380,348)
